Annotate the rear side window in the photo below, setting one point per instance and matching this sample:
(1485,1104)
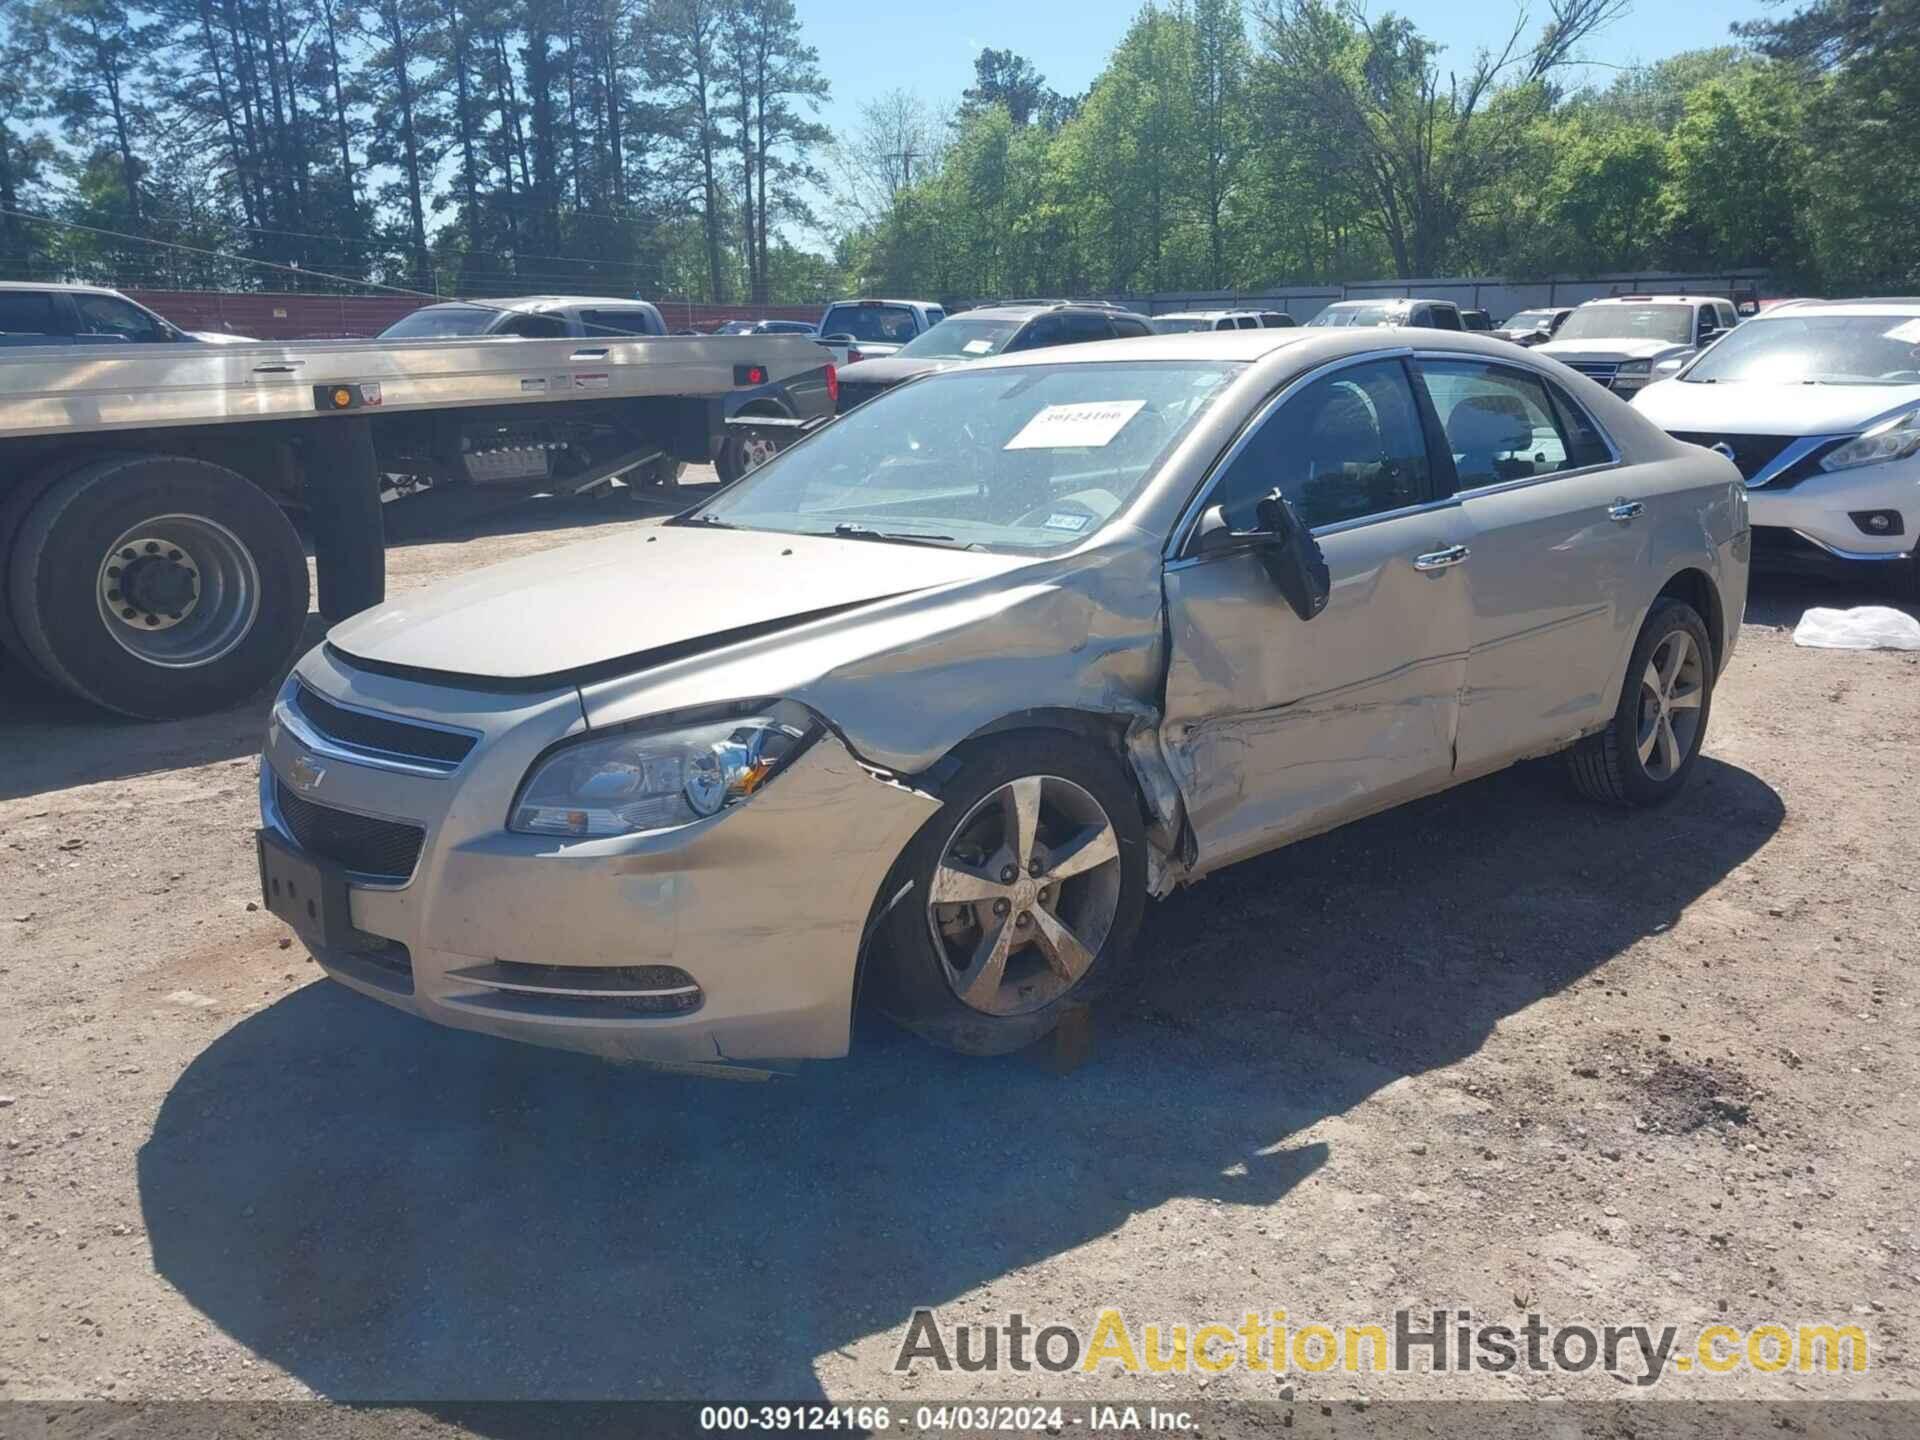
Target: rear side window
(533,327)
(1502,424)
(616,322)
(1063,330)
(1126,327)
(1443,317)
(935,315)
(24,313)
(1246,322)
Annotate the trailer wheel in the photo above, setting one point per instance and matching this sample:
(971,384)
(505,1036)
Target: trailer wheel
(158,586)
(14,506)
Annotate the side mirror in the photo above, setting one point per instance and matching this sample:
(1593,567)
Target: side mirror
(1286,548)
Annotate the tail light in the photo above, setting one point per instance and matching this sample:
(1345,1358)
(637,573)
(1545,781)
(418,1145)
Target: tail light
(833,386)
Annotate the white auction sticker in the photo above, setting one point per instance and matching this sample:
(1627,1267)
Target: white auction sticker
(1908,331)
(1088,425)
(978,347)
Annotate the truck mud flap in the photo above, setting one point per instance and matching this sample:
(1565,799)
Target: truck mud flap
(345,517)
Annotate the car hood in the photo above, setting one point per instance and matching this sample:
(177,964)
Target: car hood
(893,369)
(1758,408)
(626,601)
(1601,351)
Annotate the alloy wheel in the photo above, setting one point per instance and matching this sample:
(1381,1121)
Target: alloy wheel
(1671,690)
(1024,895)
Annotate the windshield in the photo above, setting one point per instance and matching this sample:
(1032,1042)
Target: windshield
(1528,320)
(1671,323)
(881,324)
(1817,349)
(1180,324)
(962,339)
(1358,315)
(440,320)
(1033,458)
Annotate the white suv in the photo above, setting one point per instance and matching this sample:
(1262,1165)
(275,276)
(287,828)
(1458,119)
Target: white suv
(1819,406)
(1630,341)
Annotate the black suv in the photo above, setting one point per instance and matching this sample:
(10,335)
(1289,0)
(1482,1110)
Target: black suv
(998,329)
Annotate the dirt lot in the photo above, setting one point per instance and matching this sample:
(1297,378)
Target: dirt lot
(1497,1050)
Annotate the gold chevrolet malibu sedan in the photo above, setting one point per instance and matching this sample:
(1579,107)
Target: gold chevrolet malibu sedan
(928,707)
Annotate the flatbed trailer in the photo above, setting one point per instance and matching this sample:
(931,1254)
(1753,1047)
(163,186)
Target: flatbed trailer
(149,559)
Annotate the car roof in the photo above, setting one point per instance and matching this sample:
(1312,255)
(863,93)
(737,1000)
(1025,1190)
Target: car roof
(1657,300)
(541,302)
(1393,302)
(1878,305)
(1317,346)
(878,300)
(61,285)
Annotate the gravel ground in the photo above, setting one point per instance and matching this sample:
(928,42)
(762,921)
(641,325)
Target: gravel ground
(1495,1050)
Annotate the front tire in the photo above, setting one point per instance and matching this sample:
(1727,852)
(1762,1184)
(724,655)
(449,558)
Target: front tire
(1027,893)
(1649,748)
(158,586)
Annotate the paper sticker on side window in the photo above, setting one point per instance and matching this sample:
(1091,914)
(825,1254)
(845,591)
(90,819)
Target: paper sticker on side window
(1072,427)
(1909,332)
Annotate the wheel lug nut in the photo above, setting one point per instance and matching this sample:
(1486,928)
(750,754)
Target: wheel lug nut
(1022,920)
(153,619)
(173,554)
(128,554)
(113,595)
(113,572)
(1001,907)
(1033,869)
(152,548)
(126,614)
(1007,874)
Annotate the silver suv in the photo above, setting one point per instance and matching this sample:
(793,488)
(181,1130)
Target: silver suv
(530,317)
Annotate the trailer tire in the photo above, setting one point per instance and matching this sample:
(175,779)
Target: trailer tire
(174,532)
(14,506)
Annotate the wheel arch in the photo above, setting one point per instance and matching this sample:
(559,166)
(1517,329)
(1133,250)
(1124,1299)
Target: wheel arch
(1694,586)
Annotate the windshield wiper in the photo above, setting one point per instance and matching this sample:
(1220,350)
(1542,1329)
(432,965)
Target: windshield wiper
(711,521)
(847,530)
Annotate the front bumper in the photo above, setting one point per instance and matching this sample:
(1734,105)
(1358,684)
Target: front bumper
(762,906)
(1820,510)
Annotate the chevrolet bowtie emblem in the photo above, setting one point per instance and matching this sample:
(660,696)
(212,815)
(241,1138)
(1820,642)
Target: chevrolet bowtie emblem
(306,775)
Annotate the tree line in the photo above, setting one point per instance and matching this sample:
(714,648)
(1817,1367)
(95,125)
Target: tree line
(674,148)
(459,146)
(1307,141)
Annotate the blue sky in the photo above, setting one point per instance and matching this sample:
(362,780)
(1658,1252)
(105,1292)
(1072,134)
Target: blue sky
(868,49)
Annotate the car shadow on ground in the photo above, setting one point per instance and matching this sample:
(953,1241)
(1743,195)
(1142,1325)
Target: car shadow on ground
(1780,597)
(391,1210)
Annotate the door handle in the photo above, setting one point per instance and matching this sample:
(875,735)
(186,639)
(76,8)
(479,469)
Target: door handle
(1623,511)
(1441,559)
(278,367)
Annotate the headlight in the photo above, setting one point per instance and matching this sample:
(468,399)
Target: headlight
(655,779)
(1893,439)
(1635,368)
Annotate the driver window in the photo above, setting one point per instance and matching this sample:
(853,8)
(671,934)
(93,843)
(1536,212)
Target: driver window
(533,327)
(1346,446)
(117,319)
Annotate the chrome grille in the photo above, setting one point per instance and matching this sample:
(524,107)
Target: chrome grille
(1602,371)
(383,850)
(1751,453)
(382,737)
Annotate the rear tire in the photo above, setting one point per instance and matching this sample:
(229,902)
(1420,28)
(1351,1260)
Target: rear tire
(215,596)
(741,455)
(972,976)
(1649,748)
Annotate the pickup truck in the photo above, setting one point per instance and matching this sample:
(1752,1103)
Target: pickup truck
(1626,342)
(149,560)
(857,330)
